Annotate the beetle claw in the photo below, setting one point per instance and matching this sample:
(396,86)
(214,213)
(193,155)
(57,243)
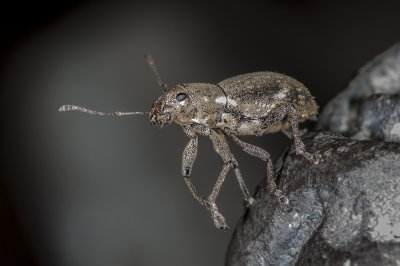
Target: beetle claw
(219,220)
(216,216)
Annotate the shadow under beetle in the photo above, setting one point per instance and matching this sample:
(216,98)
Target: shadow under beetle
(250,104)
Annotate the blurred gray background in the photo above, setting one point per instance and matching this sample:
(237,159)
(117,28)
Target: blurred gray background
(81,190)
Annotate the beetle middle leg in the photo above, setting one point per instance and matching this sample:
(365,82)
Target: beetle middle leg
(263,155)
(221,147)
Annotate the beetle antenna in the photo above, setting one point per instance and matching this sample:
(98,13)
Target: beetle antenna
(65,108)
(149,60)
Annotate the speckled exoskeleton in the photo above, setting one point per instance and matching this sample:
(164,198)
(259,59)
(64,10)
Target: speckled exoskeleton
(250,104)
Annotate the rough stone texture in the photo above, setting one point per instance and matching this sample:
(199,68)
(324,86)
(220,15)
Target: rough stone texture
(346,209)
(380,76)
(379,118)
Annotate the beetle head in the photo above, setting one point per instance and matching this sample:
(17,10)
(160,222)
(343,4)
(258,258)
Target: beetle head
(169,105)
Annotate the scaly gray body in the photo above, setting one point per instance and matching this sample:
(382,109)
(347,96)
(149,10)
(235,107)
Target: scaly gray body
(245,105)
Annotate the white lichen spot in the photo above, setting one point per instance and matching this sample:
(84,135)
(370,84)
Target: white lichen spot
(232,102)
(396,129)
(196,120)
(182,102)
(282,94)
(221,99)
(205,99)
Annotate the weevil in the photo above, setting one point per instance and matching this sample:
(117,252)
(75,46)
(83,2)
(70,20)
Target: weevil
(250,104)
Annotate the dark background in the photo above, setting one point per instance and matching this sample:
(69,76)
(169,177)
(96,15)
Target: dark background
(79,190)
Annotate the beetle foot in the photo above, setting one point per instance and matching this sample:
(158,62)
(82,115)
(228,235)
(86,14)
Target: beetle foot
(283,200)
(314,158)
(218,219)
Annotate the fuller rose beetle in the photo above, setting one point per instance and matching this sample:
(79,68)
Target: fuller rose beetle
(250,104)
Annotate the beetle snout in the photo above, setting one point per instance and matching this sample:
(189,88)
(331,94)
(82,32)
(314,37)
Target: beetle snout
(157,115)
(154,113)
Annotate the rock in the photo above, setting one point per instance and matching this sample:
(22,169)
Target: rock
(379,118)
(380,76)
(344,210)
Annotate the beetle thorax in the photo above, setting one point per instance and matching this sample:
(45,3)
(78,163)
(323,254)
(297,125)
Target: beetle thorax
(203,107)
(186,104)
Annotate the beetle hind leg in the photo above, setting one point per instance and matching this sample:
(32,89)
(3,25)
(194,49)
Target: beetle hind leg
(300,150)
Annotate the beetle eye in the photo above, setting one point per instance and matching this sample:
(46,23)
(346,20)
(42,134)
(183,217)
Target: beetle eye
(181,96)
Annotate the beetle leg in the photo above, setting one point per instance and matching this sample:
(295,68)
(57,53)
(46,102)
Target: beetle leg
(312,157)
(263,155)
(209,202)
(188,157)
(221,147)
(247,198)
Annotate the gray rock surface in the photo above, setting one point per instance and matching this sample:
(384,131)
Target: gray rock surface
(346,209)
(379,118)
(380,76)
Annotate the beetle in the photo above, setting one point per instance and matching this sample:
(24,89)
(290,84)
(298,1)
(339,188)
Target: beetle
(250,104)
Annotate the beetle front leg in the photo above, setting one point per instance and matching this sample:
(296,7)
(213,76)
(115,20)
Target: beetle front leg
(188,157)
(222,148)
(312,157)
